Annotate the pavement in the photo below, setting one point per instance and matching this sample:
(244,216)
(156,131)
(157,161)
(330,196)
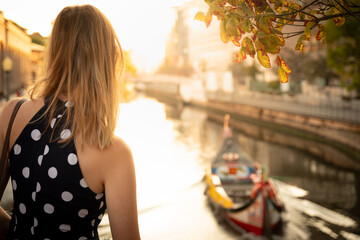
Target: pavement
(347,111)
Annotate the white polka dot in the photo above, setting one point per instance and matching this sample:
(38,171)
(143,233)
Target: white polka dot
(59,116)
(32,231)
(52,172)
(98,196)
(46,150)
(33,196)
(101,204)
(36,135)
(17,149)
(83,212)
(40,158)
(93,234)
(83,238)
(93,222)
(52,123)
(72,159)
(67,196)
(14,185)
(22,208)
(15,222)
(100,217)
(38,187)
(26,172)
(48,208)
(65,134)
(83,183)
(69,104)
(35,222)
(65,228)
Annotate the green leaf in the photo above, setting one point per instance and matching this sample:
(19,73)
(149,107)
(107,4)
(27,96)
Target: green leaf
(216,10)
(261,6)
(271,42)
(247,25)
(246,10)
(302,16)
(307,33)
(232,26)
(233,2)
(241,55)
(263,59)
(300,44)
(264,24)
(221,2)
(276,31)
(222,27)
(248,44)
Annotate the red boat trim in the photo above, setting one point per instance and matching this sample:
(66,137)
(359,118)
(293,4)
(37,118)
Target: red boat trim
(247,227)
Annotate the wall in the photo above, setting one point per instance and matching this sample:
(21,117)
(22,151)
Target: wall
(15,43)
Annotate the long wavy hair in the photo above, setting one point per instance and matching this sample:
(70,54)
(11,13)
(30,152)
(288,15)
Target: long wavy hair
(84,64)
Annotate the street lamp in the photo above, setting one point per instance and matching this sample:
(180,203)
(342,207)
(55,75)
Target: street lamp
(7,67)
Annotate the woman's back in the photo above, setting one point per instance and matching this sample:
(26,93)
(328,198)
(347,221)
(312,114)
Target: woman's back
(51,197)
(84,62)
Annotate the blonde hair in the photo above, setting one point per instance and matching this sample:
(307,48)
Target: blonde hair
(84,62)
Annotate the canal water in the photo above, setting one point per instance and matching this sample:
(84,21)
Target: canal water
(172,146)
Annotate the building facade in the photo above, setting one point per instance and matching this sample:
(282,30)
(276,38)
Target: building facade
(16,44)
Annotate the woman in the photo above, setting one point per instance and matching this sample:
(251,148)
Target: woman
(66,165)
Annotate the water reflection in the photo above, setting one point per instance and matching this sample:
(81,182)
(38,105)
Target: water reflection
(160,158)
(173,145)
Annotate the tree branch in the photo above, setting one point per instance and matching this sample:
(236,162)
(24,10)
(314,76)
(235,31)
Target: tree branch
(347,10)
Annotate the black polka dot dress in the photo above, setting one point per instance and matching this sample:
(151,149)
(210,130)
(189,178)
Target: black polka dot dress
(51,197)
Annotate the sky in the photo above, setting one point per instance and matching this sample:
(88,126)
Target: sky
(141,25)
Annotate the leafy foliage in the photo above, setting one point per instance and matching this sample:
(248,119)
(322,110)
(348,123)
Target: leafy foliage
(38,39)
(344,52)
(257,26)
(129,66)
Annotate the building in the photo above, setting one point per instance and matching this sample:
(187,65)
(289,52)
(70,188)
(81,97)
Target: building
(190,42)
(16,44)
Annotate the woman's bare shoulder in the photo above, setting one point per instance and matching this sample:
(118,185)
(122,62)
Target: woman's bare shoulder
(6,112)
(119,152)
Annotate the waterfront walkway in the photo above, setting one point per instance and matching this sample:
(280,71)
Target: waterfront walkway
(346,111)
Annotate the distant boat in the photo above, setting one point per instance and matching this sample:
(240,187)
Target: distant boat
(239,192)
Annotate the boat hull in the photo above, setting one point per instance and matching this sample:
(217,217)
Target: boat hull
(260,215)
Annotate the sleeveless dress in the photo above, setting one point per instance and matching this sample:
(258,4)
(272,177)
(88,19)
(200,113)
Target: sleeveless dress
(51,197)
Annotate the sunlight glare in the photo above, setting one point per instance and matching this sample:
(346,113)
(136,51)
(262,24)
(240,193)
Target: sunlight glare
(160,159)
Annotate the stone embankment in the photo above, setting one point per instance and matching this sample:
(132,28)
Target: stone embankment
(320,126)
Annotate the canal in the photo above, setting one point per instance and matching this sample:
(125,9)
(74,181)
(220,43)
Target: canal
(172,146)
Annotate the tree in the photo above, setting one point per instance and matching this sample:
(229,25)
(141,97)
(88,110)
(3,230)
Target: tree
(129,66)
(305,67)
(344,52)
(259,27)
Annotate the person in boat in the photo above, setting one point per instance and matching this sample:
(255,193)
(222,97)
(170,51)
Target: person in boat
(66,165)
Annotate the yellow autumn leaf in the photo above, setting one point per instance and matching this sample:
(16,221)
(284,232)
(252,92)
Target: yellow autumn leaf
(208,19)
(200,16)
(281,63)
(223,35)
(283,75)
(263,59)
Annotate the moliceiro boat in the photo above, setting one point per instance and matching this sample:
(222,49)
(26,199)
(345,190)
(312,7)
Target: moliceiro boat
(239,191)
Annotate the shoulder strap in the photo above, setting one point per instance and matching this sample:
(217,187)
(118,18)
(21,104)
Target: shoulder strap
(4,167)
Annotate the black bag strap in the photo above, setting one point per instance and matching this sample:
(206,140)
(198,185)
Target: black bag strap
(4,163)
